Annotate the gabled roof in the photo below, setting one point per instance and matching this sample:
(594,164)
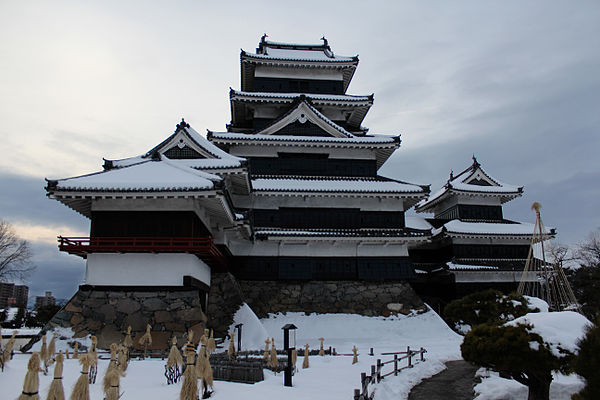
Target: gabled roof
(295,55)
(472,181)
(302,112)
(201,154)
(355,106)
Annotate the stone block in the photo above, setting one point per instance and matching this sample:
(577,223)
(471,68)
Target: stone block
(137,321)
(108,335)
(396,307)
(159,340)
(128,306)
(94,325)
(175,305)
(154,304)
(80,334)
(162,316)
(108,312)
(76,319)
(72,308)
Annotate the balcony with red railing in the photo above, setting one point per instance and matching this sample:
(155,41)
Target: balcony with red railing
(202,247)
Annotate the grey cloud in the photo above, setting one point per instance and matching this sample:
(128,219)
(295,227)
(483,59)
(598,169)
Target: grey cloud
(24,200)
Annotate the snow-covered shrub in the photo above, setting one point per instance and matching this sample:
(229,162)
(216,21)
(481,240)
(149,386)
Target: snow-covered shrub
(485,307)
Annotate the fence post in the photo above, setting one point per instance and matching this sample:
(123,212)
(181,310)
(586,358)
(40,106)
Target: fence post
(371,351)
(378,370)
(422,352)
(363,382)
(356,394)
(395,364)
(409,356)
(373,374)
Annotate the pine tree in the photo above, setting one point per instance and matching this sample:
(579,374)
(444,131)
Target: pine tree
(512,350)
(587,363)
(485,307)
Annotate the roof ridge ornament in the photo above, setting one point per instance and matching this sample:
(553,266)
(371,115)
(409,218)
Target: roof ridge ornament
(181,125)
(475,163)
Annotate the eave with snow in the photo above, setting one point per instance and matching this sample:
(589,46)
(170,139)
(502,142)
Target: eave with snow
(347,108)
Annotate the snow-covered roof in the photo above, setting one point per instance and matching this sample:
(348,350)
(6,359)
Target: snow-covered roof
(316,98)
(416,222)
(223,137)
(210,156)
(342,233)
(466,267)
(489,228)
(472,181)
(144,176)
(315,185)
(296,51)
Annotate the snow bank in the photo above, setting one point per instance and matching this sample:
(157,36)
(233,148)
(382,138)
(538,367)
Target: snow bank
(253,331)
(493,387)
(535,302)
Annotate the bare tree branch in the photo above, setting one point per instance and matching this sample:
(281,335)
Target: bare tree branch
(15,255)
(589,251)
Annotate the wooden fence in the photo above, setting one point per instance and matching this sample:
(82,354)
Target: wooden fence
(377,373)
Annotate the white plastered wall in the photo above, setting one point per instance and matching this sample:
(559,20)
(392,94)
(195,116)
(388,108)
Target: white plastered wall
(144,269)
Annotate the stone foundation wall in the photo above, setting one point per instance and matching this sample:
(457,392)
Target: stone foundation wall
(108,313)
(365,298)
(224,299)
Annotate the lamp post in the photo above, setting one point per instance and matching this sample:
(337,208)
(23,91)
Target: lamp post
(287,374)
(239,337)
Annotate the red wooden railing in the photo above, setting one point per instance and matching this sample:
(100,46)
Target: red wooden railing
(203,247)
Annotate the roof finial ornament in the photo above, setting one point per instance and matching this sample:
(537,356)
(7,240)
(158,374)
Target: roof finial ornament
(451,174)
(181,125)
(325,42)
(264,37)
(475,163)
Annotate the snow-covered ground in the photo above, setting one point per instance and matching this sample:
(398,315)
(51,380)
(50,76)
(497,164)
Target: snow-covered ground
(327,378)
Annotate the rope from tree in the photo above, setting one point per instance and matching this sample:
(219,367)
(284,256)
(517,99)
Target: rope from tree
(542,278)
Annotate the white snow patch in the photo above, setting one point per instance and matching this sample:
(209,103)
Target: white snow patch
(253,331)
(535,302)
(493,387)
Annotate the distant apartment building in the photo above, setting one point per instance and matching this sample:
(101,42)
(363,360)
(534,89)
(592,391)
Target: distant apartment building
(45,300)
(12,295)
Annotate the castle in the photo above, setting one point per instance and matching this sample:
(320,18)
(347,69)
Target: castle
(285,211)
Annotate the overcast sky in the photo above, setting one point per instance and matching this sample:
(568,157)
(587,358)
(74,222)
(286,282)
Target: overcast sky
(517,83)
